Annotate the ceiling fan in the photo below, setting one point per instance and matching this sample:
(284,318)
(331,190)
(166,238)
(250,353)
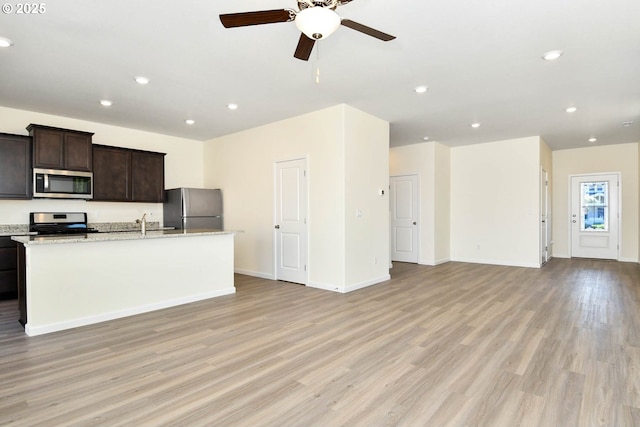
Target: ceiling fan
(316,19)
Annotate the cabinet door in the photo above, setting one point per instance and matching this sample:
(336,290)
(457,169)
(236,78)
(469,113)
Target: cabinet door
(15,166)
(8,268)
(77,151)
(111,174)
(148,176)
(48,149)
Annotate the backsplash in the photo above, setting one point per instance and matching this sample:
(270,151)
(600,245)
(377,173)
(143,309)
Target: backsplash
(105,227)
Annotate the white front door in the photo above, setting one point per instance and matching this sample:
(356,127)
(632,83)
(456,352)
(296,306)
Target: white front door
(404,218)
(291,221)
(595,217)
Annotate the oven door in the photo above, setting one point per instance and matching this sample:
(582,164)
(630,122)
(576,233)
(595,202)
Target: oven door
(61,184)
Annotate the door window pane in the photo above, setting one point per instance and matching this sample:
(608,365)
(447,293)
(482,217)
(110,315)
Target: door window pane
(595,206)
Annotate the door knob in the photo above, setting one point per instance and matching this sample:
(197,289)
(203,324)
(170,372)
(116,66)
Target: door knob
(574,221)
(415,223)
(278,227)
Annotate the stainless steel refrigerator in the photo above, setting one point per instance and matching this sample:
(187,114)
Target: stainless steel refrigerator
(193,208)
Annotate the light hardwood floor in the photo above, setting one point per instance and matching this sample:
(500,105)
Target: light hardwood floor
(453,345)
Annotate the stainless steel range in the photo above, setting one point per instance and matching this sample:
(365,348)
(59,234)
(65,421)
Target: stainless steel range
(56,223)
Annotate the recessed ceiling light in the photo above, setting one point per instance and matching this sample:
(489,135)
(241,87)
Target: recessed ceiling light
(552,55)
(4,42)
(420,89)
(475,125)
(189,121)
(425,138)
(106,103)
(142,80)
(232,106)
(571,109)
(627,124)
(593,139)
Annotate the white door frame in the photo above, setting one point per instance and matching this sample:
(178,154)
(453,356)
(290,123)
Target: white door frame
(545,218)
(306,245)
(417,215)
(618,207)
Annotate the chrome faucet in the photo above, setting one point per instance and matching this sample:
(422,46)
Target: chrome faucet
(143,223)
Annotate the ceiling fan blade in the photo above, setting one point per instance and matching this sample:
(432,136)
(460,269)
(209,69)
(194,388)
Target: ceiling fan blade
(244,19)
(367,30)
(305,46)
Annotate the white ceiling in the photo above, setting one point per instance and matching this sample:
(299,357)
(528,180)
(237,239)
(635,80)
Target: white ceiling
(480,58)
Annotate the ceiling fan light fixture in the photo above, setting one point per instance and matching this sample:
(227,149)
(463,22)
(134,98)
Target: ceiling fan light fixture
(317,22)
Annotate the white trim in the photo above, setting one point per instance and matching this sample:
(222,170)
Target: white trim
(90,320)
(350,288)
(268,276)
(325,287)
(367,283)
(497,262)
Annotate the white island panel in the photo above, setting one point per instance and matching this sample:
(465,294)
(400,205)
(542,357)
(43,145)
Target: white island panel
(76,284)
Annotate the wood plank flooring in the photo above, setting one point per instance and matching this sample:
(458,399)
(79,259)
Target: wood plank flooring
(452,345)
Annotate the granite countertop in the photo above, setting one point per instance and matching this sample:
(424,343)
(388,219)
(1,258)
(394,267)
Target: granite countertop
(121,235)
(14,230)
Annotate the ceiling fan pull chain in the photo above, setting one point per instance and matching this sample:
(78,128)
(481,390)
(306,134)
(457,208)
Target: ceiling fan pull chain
(318,64)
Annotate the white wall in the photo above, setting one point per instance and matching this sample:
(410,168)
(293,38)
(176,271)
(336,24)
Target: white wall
(442,203)
(183,167)
(623,158)
(495,197)
(331,140)
(366,165)
(430,161)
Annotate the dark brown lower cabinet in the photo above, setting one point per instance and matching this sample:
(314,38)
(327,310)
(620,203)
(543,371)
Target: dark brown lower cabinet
(8,268)
(22,284)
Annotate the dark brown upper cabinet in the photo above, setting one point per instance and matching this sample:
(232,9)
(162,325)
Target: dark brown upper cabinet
(125,175)
(15,166)
(55,148)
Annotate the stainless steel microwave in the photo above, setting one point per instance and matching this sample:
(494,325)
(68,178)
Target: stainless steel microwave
(62,184)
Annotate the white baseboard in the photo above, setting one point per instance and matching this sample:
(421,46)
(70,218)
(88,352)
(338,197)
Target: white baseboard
(254,274)
(90,320)
(437,262)
(326,287)
(497,262)
(366,283)
(349,288)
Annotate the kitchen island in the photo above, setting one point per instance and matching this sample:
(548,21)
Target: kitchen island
(71,281)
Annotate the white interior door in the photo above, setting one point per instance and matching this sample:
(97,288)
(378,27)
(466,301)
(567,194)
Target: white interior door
(404,218)
(291,221)
(545,231)
(595,216)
